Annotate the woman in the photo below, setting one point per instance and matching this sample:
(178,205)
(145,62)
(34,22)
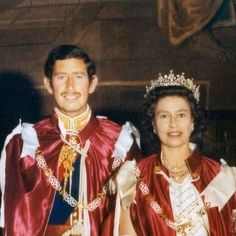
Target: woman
(180,191)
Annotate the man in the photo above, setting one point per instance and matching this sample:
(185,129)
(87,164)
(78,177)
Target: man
(54,173)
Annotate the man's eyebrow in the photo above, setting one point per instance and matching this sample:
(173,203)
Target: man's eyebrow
(79,73)
(75,73)
(162,111)
(183,110)
(60,73)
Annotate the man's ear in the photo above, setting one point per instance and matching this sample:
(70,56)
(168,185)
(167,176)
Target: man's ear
(93,84)
(48,84)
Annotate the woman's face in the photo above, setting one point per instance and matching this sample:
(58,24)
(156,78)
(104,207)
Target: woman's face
(173,121)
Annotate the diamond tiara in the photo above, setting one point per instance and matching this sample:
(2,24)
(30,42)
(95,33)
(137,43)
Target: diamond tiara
(172,80)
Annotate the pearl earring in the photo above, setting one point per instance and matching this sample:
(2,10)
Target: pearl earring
(192,127)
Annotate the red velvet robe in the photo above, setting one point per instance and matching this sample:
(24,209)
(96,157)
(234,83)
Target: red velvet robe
(147,222)
(29,196)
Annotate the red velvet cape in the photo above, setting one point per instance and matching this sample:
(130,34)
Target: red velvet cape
(147,222)
(28,195)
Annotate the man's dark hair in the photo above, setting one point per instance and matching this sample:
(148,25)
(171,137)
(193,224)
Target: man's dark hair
(63,52)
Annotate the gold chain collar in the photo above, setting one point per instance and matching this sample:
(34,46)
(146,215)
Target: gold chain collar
(66,196)
(179,228)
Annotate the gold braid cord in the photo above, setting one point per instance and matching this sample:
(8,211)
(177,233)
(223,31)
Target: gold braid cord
(67,158)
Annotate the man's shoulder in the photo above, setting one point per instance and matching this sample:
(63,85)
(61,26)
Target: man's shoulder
(47,126)
(122,138)
(15,137)
(106,125)
(29,131)
(103,120)
(127,129)
(42,122)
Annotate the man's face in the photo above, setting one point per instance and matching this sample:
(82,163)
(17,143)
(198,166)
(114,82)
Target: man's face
(70,86)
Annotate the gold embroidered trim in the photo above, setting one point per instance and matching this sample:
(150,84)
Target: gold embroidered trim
(74,123)
(233,218)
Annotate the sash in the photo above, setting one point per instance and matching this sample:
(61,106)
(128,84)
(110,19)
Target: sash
(222,187)
(125,140)
(61,210)
(125,179)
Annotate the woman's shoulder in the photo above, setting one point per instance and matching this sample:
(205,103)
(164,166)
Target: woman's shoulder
(210,166)
(206,160)
(148,161)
